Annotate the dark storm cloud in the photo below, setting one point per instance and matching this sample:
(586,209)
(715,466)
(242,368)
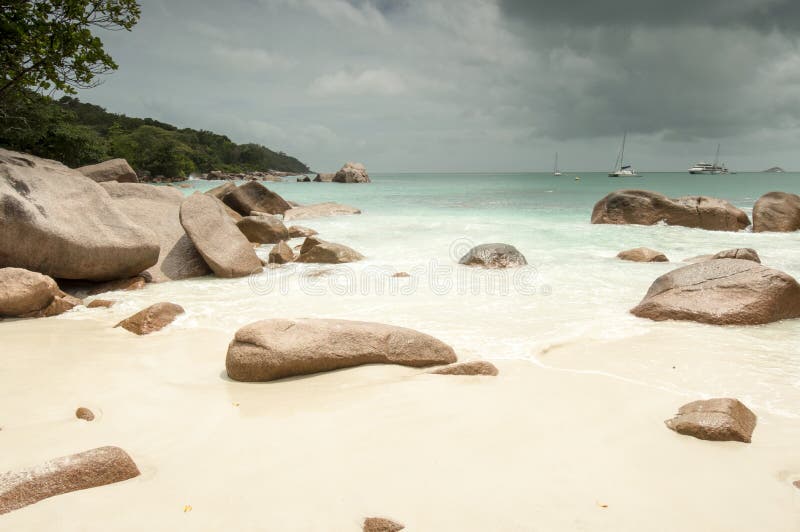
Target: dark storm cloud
(761,14)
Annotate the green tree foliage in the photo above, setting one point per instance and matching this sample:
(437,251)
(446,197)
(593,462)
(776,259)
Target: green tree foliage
(79,133)
(48,45)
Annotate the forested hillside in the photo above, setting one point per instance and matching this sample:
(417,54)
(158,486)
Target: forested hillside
(78,133)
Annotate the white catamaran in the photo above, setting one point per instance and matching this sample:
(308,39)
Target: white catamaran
(710,169)
(555,167)
(620,169)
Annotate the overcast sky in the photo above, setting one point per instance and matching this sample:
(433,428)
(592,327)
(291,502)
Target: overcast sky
(472,85)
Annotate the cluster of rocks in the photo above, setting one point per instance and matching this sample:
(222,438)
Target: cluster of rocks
(272,175)
(349,173)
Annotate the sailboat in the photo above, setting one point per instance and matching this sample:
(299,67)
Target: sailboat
(555,167)
(621,170)
(705,168)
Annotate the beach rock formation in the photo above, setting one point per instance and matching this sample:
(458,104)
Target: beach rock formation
(777,211)
(315,250)
(274,349)
(254,196)
(60,304)
(123,285)
(475,367)
(494,256)
(738,253)
(152,319)
(381,524)
(84,414)
(58,222)
(114,170)
(89,469)
(722,292)
(324,178)
(319,210)
(222,190)
(281,253)
(23,291)
(298,231)
(647,208)
(642,255)
(352,173)
(715,420)
(100,303)
(223,247)
(264,229)
(158,208)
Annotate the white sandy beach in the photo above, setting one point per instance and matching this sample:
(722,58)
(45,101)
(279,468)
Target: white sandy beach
(532,449)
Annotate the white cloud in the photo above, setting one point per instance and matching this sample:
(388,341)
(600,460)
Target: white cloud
(379,81)
(250,58)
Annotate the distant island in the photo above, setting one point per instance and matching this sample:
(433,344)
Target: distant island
(774,170)
(78,134)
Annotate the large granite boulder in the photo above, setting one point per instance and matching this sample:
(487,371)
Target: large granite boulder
(777,211)
(225,249)
(722,292)
(715,419)
(298,231)
(494,256)
(113,170)
(89,469)
(274,349)
(254,196)
(648,208)
(151,319)
(642,255)
(58,222)
(315,250)
(352,173)
(23,291)
(159,209)
(222,190)
(319,210)
(263,229)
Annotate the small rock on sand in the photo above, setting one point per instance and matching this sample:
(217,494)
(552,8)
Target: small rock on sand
(381,524)
(152,319)
(475,367)
(84,414)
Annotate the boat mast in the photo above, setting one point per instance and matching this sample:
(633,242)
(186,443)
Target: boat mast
(622,151)
(715,169)
(555,168)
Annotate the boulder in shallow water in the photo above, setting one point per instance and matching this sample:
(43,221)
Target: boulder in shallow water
(777,211)
(152,319)
(475,367)
(722,292)
(58,222)
(381,524)
(319,210)
(738,253)
(274,349)
(643,207)
(60,304)
(298,231)
(264,229)
(159,209)
(715,420)
(100,303)
(281,253)
(352,173)
(114,170)
(225,249)
(23,291)
(123,285)
(254,196)
(89,469)
(315,250)
(642,255)
(494,256)
(324,178)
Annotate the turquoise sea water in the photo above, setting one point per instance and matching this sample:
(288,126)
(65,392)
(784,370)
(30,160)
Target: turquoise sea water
(568,310)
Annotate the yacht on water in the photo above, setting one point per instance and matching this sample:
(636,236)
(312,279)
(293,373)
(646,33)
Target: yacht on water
(708,168)
(621,170)
(555,167)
